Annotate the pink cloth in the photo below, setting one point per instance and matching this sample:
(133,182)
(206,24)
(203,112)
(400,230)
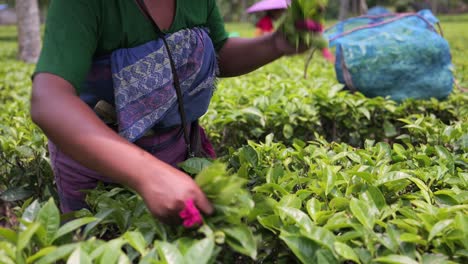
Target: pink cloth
(265,24)
(190,215)
(328,55)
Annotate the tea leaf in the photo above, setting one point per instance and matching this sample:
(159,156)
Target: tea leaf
(49,218)
(396,259)
(241,239)
(439,227)
(137,241)
(304,248)
(362,212)
(79,256)
(72,226)
(200,252)
(346,252)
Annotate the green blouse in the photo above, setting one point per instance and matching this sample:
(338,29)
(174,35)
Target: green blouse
(79,30)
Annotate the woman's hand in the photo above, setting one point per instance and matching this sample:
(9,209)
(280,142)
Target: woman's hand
(166,192)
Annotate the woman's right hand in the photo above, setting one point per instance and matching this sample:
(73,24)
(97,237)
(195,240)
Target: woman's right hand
(166,192)
(79,133)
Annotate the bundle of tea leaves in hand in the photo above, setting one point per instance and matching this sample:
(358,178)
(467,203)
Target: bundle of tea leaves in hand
(303,25)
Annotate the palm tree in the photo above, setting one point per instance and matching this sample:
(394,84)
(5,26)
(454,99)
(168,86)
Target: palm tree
(29,35)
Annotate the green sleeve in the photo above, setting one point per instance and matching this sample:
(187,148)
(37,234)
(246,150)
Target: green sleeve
(215,23)
(70,40)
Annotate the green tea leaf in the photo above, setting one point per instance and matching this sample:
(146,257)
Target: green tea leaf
(41,253)
(195,165)
(377,197)
(5,259)
(72,226)
(79,256)
(271,222)
(434,259)
(326,256)
(290,200)
(111,251)
(9,235)
(412,238)
(389,129)
(30,213)
(424,189)
(241,239)
(8,250)
(339,203)
(169,253)
(330,177)
(400,150)
(301,219)
(365,112)
(16,194)
(444,154)
(346,252)
(201,252)
(25,236)
(362,212)
(304,248)
(100,216)
(288,131)
(439,227)
(322,236)
(49,218)
(392,176)
(136,240)
(396,259)
(313,208)
(58,253)
(271,187)
(249,155)
(207,175)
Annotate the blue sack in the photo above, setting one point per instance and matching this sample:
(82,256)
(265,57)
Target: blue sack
(397,55)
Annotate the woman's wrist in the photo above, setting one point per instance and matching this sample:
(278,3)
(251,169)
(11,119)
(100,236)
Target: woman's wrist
(283,45)
(278,39)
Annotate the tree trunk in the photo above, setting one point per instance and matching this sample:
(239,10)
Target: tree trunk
(244,6)
(434,6)
(363,7)
(29,35)
(344,6)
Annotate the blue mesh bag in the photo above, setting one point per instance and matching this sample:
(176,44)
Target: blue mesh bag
(397,55)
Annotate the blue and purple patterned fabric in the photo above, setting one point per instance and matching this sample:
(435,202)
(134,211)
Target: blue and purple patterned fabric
(142,87)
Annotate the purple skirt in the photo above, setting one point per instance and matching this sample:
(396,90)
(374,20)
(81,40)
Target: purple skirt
(72,178)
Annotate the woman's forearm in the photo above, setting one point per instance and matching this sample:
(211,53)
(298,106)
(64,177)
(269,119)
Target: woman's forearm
(77,131)
(243,55)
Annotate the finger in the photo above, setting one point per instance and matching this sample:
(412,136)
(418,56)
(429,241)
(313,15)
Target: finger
(203,204)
